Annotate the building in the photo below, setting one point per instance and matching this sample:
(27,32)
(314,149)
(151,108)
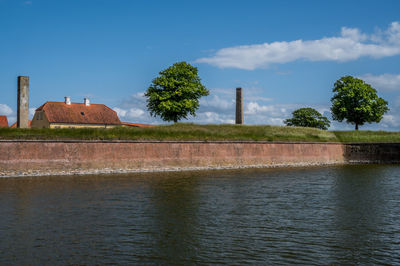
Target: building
(127,124)
(74,115)
(3,121)
(15,124)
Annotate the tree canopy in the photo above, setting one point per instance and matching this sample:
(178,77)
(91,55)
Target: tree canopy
(175,93)
(308,117)
(357,102)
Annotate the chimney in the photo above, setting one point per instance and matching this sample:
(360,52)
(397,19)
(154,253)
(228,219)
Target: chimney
(23,102)
(86,101)
(67,100)
(239,106)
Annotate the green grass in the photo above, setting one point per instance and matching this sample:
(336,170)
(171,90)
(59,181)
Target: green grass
(186,131)
(367,136)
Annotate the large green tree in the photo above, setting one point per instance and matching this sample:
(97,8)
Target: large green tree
(357,102)
(308,117)
(175,93)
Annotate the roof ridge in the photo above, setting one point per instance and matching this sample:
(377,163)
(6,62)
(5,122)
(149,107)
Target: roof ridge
(75,103)
(59,112)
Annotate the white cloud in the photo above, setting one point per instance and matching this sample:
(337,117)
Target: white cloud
(271,114)
(259,98)
(253,108)
(353,34)
(389,82)
(255,111)
(396,101)
(217,103)
(350,45)
(219,108)
(393,33)
(213,118)
(130,113)
(390,121)
(120,112)
(5,109)
(32,112)
(134,113)
(11,115)
(133,109)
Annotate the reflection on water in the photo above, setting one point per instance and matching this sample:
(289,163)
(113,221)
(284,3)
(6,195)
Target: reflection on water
(328,215)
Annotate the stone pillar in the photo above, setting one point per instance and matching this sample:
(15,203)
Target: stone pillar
(239,106)
(23,102)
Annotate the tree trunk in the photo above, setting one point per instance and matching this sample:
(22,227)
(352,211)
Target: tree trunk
(356,126)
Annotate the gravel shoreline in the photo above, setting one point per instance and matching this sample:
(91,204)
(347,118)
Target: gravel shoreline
(105,171)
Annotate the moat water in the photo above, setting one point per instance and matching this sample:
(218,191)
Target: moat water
(322,215)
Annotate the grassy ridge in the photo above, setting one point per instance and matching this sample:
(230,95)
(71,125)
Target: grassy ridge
(186,131)
(367,136)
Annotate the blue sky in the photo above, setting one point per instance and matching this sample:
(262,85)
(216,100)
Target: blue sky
(284,54)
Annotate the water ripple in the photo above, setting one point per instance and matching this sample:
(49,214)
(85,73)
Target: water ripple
(313,216)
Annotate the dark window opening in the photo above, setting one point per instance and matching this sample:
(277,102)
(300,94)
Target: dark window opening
(82,113)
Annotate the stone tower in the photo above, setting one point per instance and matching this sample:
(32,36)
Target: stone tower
(239,106)
(23,102)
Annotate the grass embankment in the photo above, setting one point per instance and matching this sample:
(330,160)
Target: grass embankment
(367,136)
(187,132)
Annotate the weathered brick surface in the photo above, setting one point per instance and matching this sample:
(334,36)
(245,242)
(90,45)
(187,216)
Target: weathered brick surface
(73,156)
(373,152)
(87,155)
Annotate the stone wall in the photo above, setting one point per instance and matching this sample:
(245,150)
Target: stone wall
(38,157)
(372,153)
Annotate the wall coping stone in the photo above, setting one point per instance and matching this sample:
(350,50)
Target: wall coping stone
(198,141)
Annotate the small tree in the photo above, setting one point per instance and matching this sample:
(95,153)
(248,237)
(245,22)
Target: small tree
(308,117)
(357,102)
(175,93)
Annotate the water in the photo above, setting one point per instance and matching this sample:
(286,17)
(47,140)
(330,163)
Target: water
(327,215)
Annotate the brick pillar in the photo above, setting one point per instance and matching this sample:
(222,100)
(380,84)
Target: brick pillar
(23,102)
(239,106)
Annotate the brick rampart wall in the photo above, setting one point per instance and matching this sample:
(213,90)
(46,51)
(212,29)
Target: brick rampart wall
(67,156)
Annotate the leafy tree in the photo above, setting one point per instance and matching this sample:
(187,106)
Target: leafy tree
(308,117)
(175,93)
(357,102)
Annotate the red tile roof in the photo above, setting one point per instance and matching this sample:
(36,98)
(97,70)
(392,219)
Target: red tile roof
(136,125)
(3,121)
(15,124)
(79,113)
